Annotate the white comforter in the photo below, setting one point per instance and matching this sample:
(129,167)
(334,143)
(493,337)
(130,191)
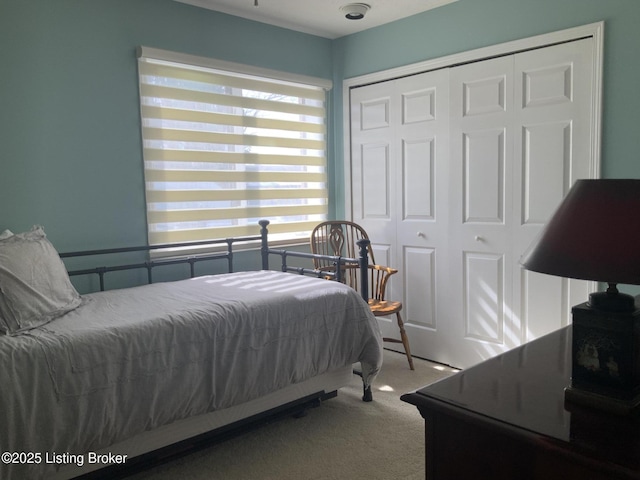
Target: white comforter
(131,360)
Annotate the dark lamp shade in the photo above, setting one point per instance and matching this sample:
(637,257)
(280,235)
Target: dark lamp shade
(593,235)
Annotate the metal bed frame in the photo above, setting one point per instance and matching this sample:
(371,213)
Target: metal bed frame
(296,407)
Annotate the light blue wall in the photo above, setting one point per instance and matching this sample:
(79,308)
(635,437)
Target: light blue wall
(470,24)
(70,148)
(70,151)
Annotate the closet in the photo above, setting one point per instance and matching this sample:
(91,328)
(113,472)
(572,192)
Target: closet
(453,173)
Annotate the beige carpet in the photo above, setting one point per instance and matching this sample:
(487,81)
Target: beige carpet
(344,438)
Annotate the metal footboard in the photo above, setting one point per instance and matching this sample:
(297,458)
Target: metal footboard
(336,274)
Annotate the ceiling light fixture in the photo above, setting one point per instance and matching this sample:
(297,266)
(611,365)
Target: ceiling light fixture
(355,11)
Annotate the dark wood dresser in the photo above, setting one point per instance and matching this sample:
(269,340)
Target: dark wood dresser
(506,419)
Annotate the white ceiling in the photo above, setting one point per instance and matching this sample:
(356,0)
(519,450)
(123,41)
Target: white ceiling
(319,17)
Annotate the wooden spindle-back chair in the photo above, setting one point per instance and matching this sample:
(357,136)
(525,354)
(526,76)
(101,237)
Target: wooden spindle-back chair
(339,238)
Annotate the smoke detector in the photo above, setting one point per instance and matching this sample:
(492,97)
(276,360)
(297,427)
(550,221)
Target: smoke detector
(355,11)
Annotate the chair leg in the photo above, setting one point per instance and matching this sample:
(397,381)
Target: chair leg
(405,340)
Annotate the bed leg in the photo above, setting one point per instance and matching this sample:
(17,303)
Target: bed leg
(367,395)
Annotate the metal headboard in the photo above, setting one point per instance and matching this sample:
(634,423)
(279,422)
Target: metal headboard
(191,260)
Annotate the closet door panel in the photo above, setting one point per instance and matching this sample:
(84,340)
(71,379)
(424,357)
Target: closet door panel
(544,296)
(480,322)
(374,173)
(483,290)
(421,221)
(454,174)
(418,189)
(418,273)
(409,121)
(374,115)
(483,181)
(554,142)
(546,157)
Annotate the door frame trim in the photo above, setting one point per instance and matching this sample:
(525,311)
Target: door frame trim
(594,30)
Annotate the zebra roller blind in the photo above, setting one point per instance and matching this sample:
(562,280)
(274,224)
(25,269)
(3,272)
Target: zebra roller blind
(225,148)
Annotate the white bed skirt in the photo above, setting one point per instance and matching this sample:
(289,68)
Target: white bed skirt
(190,427)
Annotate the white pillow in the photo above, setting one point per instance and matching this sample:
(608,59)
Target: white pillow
(34,284)
(3,325)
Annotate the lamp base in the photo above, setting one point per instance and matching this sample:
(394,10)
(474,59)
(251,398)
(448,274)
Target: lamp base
(612,301)
(605,369)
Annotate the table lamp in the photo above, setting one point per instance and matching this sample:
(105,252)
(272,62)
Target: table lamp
(595,235)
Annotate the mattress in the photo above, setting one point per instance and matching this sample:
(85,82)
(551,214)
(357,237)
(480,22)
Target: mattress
(132,360)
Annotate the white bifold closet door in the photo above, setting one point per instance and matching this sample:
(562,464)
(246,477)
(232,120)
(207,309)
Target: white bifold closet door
(454,173)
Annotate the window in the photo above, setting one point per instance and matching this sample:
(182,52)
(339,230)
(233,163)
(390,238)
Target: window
(225,147)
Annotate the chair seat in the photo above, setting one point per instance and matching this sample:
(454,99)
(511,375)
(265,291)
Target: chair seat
(380,308)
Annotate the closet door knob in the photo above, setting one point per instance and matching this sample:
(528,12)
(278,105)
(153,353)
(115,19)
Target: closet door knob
(421,235)
(478,238)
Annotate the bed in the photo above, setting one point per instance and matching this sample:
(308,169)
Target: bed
(108,377)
